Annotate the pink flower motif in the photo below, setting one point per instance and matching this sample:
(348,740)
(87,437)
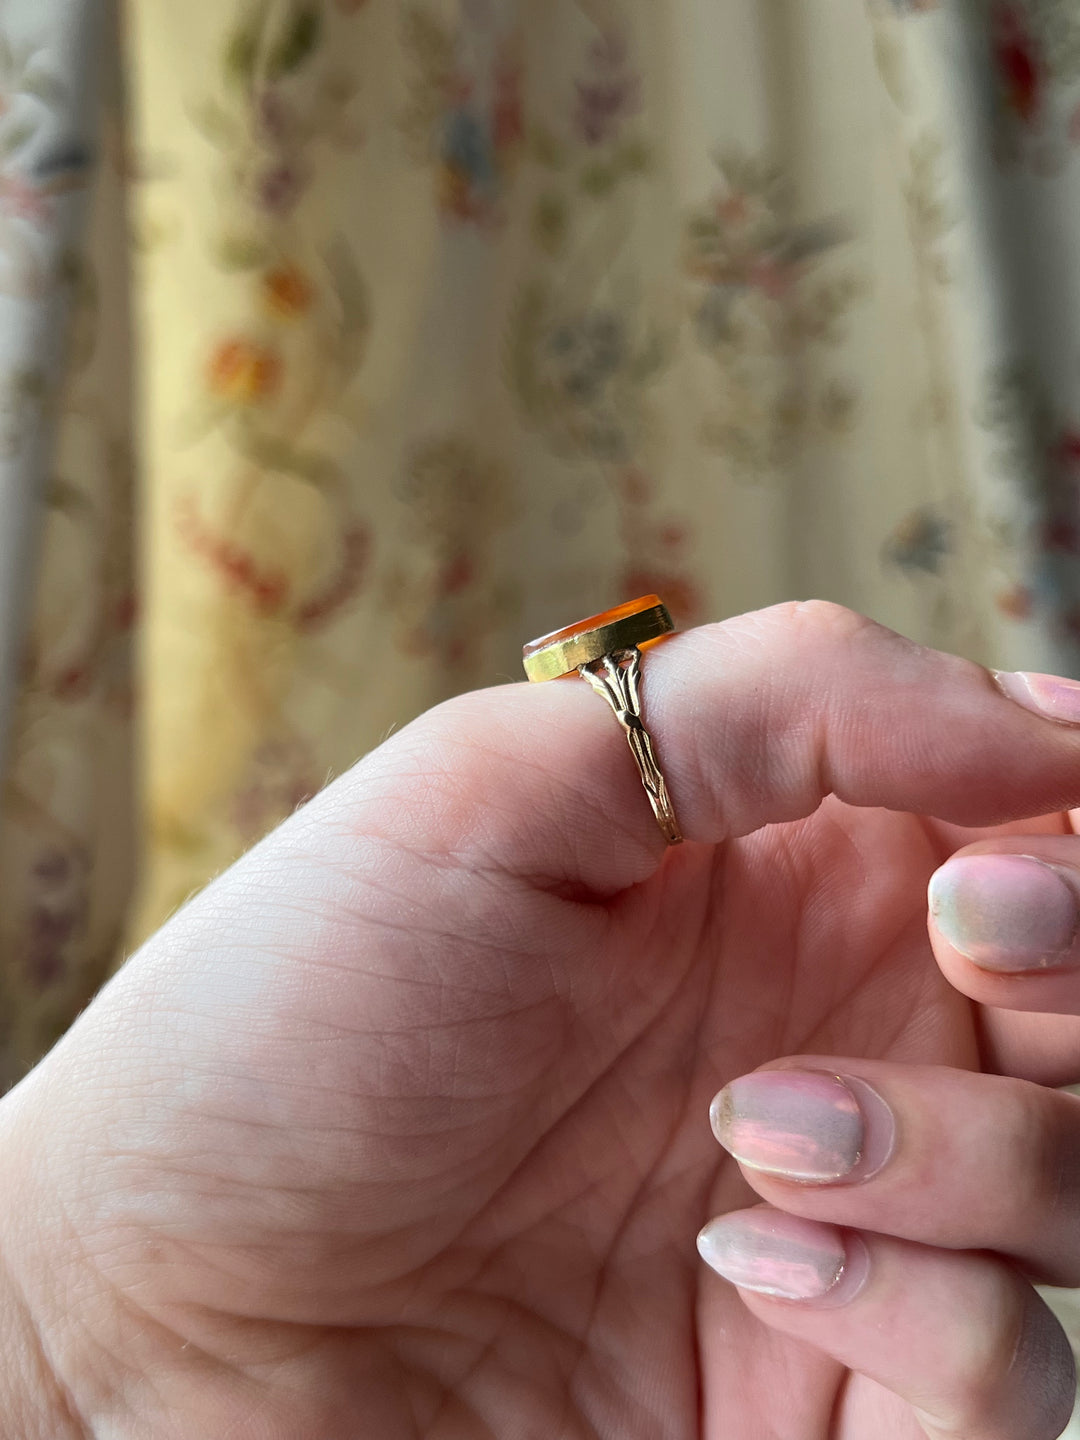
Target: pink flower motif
(1060,533)
(637,487)
(342,586)
(732,208)
(457,574)
(458,89)
(22,199)
(1020,65)
(1016,602)
(273,118)
(56,907)
(282,776)
(770,276)
(610,95)
(280,186)
(507,117)
(1068,447)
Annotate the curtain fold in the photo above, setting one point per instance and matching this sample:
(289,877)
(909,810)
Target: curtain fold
(67,531)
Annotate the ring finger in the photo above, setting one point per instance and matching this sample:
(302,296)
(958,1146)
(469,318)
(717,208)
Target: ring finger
(961,1337)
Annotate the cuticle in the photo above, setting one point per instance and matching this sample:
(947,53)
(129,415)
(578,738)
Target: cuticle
(1067,878)
(854,1269)
(852,1176)
(894,1129)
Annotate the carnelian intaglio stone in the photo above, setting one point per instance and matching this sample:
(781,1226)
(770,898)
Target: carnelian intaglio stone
(638,623)
(594,622)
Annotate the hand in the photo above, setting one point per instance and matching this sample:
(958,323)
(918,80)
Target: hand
(400,1129)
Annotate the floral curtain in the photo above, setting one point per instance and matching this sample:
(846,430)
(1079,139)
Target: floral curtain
(457,319)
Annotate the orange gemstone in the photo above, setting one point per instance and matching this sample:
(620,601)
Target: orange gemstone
(594,622)
(636,624)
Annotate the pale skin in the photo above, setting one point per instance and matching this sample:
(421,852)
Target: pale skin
(401,1128)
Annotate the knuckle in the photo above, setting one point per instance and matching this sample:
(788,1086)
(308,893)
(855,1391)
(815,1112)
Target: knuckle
(1045,1180)
(984,1358)
(1032,1142)
(827,622)
(1043,1159)
(1013,1359)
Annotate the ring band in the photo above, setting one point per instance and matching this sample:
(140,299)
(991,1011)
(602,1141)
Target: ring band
(606,651)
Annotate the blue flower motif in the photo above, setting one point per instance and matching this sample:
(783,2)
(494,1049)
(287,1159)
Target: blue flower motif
(70,156)
(467,146)
(586,352)
(920,542)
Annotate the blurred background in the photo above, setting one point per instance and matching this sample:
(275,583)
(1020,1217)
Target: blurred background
(347,344)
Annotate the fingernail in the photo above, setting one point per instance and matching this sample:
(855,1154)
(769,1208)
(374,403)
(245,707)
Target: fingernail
(1006,912)
(1049,695)
(774,1253)
(804,1125)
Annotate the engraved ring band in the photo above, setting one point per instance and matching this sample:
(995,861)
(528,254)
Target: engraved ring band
(606,651)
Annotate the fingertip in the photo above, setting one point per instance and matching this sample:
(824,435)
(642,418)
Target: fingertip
(770,1253)
(1006,911)
(1051,697)
(959,1335)
(1003,918)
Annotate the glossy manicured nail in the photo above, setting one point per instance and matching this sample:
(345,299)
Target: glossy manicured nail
(774,1253)
(804,1125)
(1006,912)
(1051,696)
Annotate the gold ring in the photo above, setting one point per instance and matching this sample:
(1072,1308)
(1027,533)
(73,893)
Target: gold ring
(606,651)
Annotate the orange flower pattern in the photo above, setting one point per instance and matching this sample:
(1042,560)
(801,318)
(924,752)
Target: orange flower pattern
(243,371)
(287,292)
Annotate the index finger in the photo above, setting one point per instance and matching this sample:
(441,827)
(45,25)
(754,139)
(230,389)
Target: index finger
(754,720)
